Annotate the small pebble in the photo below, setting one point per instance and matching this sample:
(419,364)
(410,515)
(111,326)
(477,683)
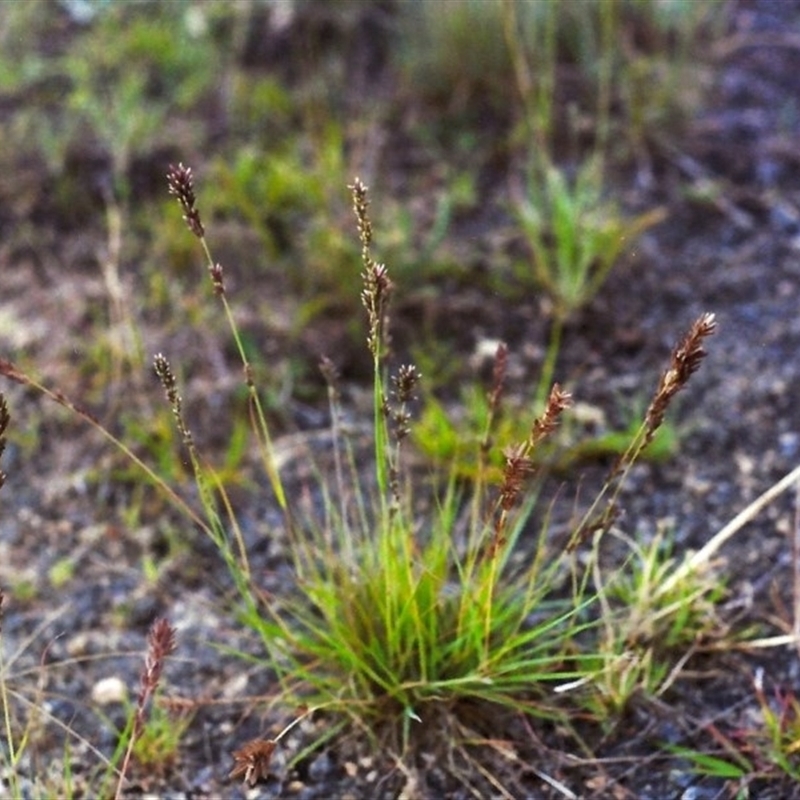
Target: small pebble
(109,690)
(320,768)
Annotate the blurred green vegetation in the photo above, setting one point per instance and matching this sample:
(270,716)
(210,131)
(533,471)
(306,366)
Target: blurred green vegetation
(461,116)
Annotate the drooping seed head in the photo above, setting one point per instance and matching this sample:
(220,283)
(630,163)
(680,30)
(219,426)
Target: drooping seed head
(251,762)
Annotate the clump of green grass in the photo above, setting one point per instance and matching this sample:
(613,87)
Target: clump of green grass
(402,616)
(646,620)
(415,611)
(397,614)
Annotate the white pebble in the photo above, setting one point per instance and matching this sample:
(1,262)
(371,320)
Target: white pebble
(109,690)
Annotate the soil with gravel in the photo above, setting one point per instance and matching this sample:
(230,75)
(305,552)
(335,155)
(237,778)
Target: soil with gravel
(74,560)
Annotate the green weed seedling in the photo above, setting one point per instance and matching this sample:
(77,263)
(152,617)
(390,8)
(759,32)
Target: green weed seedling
(576,236)
(574,233)
(453,439)
(766,748)
(650,627)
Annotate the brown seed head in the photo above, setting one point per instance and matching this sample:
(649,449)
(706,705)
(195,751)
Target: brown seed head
(161,641)
(375,296)
(217,279)
(361,208)
(517,468)
(684,362)
(405,383)
(557,402)
(181,185)
(167,377)
(498,375)
(252,761)
(160,644)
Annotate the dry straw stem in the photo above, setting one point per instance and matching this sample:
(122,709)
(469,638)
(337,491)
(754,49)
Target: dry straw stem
(707,552)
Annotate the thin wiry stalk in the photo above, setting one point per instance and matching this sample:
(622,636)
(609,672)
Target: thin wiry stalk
(331,376)
(375,296)
(207,482)
(181,184)
(519,466)
(499,370)
(9,370)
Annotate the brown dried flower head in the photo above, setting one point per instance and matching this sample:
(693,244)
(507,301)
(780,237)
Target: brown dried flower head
(181,185)
(5,418)
(167,377)
(405,383)
(375,297)
(684,362)
(499,371)
(518,467)
(252,761)
(557,402)
(217,278)
(361,208)
(160,644)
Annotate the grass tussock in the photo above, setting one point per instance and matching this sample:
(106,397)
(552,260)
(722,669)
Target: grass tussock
(418,610)
(411,608)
